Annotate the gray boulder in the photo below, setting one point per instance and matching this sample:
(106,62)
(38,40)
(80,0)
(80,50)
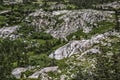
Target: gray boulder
(42,71)
(17,72)
(9,32)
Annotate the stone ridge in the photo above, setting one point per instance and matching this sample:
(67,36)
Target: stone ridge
(62,23)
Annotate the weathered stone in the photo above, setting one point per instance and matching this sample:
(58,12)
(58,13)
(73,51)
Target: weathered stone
(63,77)
(17,72)
(44,70)
(113,5)
(64,22)
(8,32)
(75,47)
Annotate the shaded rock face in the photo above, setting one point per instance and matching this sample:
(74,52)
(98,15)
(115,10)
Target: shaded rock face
(17,72)
(4,12)
(63,77)
(42,71)
(8,2)
(90,51)
(75,47)
(115,5)
(8,31)
(62,23)
(57,6)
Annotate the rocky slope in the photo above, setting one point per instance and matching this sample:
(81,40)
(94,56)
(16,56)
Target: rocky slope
(73,55)
(9,32)
(52,58)
(62,23)
(76,47)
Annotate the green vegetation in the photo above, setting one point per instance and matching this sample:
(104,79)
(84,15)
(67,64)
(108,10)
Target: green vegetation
(107,63)
(34,46)
(17,14)
(3,20)
(88,3)
(102,27)
(78,35)
(42,60)
(17,53)
(12,54)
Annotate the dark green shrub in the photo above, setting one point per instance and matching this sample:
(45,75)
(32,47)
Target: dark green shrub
(42,60)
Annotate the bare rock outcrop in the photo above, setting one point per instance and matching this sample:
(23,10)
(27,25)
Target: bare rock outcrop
(42,71)
(64,22)
(113,5)
(8,31)
(76,46)
(17,72)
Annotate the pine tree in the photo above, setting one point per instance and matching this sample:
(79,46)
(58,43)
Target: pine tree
(1,2)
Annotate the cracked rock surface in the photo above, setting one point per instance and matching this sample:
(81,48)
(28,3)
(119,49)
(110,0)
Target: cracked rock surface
(64,22)
(76,46)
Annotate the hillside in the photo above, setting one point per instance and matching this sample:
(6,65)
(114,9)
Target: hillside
(59,40)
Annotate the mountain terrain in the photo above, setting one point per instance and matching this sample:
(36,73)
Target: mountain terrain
(59,40)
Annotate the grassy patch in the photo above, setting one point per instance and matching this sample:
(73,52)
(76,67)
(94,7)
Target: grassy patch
(103,26)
